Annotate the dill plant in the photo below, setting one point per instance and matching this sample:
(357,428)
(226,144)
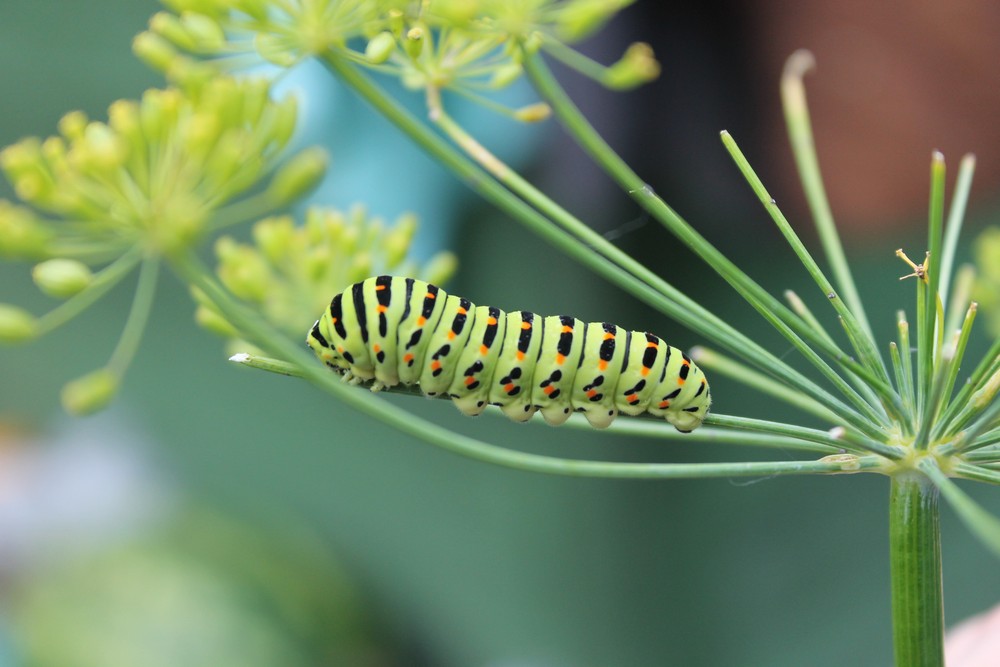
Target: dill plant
(902,409)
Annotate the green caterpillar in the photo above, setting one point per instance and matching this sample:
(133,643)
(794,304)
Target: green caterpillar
(392,330)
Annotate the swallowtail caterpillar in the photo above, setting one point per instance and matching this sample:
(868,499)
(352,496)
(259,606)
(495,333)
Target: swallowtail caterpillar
(389,330)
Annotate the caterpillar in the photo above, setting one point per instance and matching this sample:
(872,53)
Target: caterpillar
(389,330)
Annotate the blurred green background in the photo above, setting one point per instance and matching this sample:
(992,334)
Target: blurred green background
(221,517)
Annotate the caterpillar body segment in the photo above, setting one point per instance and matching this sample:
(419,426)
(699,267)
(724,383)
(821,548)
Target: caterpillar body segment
(389,330)
(510,387)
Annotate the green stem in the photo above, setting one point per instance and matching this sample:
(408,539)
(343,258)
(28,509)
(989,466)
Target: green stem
(103,281)
(793,96)
(268,338)
(862,341)
(956,215)
(736,430)
(915,561)
(135,325)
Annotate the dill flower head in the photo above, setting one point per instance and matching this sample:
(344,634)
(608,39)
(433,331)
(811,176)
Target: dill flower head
(154,174)
(466,46)
(290,272)
(104,197)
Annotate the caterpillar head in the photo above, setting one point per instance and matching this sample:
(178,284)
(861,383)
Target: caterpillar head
(321,346)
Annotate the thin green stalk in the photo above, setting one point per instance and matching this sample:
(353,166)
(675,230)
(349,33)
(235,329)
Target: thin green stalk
(956,215)
(954,357)
(855,443)
(802,310)
(976,473)
(668,300)
(863,343)
(270,339)
(736,430)
(102,281)
(135,325)
(988,453)
(793,96)
(575,60)
(907,389)
(959,408)
(961,296)
(710,360)
(928,334)
(984,422)
(915,562)
(889,402)
(897,369)
(860,384)
(981,523)
(925,353)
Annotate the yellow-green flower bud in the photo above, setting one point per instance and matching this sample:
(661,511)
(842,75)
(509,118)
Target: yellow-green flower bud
(170,27)
(636,67)
(16,324)
(62,278)
(982,398)
(274,236)
(506,74)
(103,148)
(298,176)
(204,30)
(214,322)
(243,270)
(89,393)
(286,116)
(380,48)
(154,50)
(274,49)
(533,113)
(72,124)
(579,19)
(413,43)
(22,235)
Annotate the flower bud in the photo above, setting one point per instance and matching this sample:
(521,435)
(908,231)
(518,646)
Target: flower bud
(636,67)
(62,278)
(72,124)
(413,43)
(154,50)
(579,19)
(16,324)
(274,49)
(204,31)
(242,270)
(214,322)
(380,47)
(506,74)
(89,393)
(22,235)
(297,176)
(170,27)
(533,113)
(274,236)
